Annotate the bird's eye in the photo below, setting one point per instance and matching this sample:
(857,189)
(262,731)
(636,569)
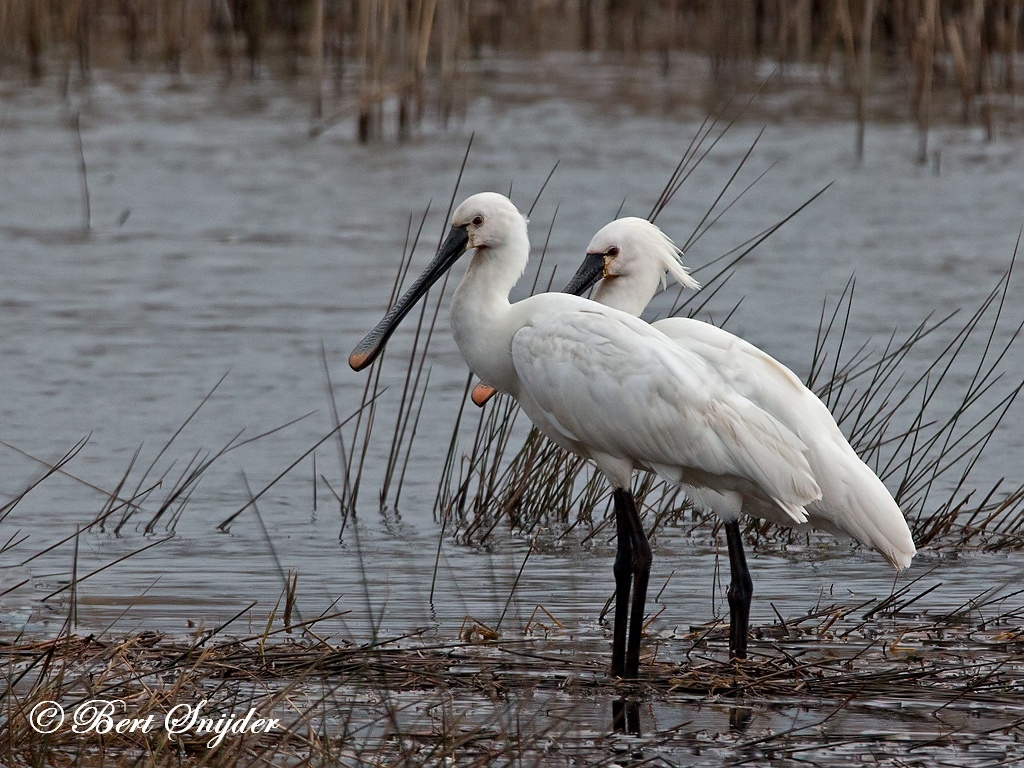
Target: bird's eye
(613,251)
(478,220)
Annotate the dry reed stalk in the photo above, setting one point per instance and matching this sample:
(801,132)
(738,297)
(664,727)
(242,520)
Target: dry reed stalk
(844,30)
(974,20)
(316,53)
(79,29)
(924,55)
(1010,36)
(368,49)
(864,75)
(958,53)
(421,27)
(804,24)
(827,41)
(733,33)
(222,26)
(401,30)
(984,68)
(35,23)
(170,33)
(83,173)
(392,52)
(406,49)
(132,23)
(454,20)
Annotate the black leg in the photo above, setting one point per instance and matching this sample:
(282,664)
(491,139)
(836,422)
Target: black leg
(623,569)
(741,590)
(628,522)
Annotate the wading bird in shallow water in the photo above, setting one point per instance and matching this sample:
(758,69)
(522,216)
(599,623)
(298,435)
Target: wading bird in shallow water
(606,385)
(631,257)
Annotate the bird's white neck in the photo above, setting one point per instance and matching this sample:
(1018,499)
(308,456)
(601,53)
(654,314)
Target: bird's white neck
(631,293)
(482,317)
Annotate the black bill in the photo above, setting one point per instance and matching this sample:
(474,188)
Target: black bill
(590,271)
(367,350)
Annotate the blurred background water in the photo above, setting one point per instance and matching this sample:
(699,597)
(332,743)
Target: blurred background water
(225,242)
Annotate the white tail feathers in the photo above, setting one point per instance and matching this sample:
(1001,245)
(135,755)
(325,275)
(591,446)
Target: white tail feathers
(859,505)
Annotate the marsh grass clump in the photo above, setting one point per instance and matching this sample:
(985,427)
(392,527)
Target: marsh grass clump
(895,421)
(412,700)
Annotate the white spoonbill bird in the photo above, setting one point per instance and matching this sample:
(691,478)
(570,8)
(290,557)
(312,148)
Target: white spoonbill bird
(609,387)
(632,257)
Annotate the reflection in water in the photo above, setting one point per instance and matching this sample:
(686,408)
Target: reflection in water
(739,719)
(626,716)
(626,720)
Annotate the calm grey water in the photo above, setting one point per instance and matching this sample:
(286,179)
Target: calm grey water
(225,241)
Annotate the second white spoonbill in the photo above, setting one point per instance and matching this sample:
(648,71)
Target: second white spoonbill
(631,258)
(607,386)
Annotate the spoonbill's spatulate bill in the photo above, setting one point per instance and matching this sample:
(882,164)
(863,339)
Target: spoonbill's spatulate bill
(631,258)
(606,385)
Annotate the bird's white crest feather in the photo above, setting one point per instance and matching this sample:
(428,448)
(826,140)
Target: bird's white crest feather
(673,261)
(643,244)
